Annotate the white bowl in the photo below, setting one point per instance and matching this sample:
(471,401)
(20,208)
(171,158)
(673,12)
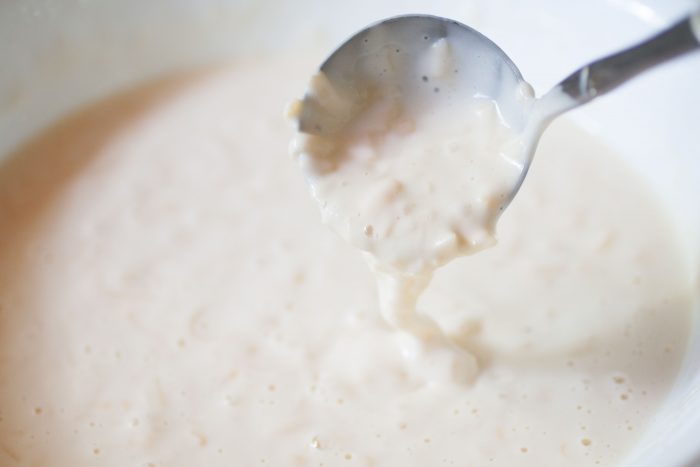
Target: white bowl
(56,56)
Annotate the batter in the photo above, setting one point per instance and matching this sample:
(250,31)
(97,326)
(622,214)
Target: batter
(168,297)
(410,166)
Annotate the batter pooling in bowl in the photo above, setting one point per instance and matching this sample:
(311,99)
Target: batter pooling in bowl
(168,296)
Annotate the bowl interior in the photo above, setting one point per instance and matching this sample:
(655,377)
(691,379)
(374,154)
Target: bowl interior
(59,56)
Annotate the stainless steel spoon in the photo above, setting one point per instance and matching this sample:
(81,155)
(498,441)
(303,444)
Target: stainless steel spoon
(484,70)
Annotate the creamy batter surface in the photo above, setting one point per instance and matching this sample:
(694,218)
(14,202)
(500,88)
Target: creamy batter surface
(168,297)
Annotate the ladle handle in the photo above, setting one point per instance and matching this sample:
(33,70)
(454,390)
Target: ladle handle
(606,74)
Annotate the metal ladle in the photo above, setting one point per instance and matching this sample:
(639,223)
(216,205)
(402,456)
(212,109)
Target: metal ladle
(484,69)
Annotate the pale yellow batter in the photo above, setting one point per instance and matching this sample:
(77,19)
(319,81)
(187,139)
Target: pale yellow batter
(413,167)
(168,297)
